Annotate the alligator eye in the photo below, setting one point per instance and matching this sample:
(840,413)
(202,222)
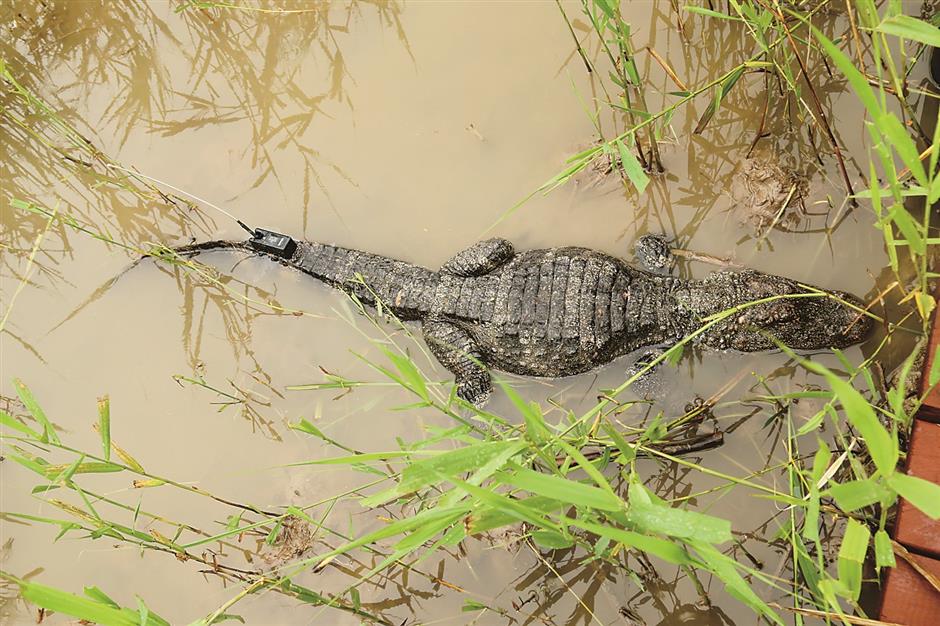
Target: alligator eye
(783,312)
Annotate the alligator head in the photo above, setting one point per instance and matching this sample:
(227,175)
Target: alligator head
(799,317)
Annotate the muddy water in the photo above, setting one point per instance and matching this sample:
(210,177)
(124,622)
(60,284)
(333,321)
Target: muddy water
(407,130)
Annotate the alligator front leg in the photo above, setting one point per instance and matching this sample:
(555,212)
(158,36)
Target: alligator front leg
(480,258)
(457,351)
(653,253)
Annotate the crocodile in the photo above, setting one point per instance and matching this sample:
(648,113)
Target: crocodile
(562,311)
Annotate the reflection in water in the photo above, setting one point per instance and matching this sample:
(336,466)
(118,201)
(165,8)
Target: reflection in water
(250,66)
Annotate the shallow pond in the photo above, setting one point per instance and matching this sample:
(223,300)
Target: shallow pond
(408,130)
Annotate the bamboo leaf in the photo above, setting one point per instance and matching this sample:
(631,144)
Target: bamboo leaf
(410,374)
(933,194)
(535,429)
(129,461)
(505,504)
(852,555)
(99,596)
(423,534)
(142,611)
(710,13)
(855,78)
(908,228)
(11,422)
(104,425)
(725,569)
(152,482)
(627,451)
(66,475)
(587,466)
(562,489)
(33,464)
(726,86)
(428,516)
(892,128)
(911,28)
(923,494)
(365,457)
(855,494)
(606,7)
(632,168)
(884,553)
(821,461)
(551,539)
(485,518)
(679,523)
(811,517)
(48,430)
(470,606)
(91,467)
(450,464)
(882,447)
(83,608)
(665,550)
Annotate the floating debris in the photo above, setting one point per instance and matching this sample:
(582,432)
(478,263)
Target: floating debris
(770,195)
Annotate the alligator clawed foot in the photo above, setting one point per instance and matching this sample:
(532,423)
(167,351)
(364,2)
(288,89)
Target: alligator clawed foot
(645,385)
(653,253)
(473,392)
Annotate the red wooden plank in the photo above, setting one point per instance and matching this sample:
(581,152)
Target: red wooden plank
(907,598)
(914,529)
(931,407)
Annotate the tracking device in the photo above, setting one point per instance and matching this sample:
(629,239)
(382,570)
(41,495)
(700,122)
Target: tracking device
(273,243)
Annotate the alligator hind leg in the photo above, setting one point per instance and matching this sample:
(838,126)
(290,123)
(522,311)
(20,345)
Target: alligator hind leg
(654,253)
(480,258)
(648,384)
(457,351)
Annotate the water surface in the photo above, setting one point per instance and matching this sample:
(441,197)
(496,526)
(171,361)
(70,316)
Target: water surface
(407,130)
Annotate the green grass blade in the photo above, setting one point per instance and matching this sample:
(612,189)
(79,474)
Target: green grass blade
(48,430)
(104,425)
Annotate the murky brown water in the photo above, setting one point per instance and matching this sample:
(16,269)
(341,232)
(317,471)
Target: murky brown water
(406,130)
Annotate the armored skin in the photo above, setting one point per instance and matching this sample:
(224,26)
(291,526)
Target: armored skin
(562,311)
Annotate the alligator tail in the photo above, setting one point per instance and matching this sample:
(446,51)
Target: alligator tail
(404,288)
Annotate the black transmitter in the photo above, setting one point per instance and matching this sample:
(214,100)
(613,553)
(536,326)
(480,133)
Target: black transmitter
(273,243)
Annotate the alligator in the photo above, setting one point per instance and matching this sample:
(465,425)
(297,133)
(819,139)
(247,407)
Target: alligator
(557,312)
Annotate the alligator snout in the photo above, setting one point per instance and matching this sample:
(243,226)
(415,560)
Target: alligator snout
(851,324)
(831,319)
